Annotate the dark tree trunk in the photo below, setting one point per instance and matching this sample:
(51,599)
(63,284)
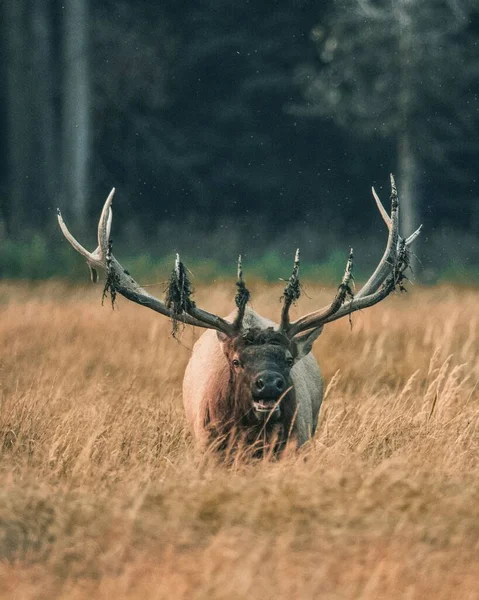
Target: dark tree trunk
(408,191)
(408,176)
(18,94)
(408,171)
(46,175)
(76,111)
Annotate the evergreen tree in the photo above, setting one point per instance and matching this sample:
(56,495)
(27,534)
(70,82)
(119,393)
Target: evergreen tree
(404,70)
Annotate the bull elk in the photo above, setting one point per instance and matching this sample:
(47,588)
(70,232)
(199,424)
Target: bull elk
(249,377)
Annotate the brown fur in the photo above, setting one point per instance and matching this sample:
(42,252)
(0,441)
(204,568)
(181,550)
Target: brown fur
(219,403)
(229,416)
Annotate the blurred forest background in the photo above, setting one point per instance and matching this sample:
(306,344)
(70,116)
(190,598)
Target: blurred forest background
(229,127)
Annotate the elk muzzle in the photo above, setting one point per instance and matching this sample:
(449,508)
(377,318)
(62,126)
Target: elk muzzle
(267,390)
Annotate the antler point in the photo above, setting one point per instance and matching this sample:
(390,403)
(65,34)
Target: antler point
(109,200)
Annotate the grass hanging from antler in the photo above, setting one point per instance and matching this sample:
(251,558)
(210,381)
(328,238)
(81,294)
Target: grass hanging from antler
(178,294)
(242,296)
(291,292)
(112,280)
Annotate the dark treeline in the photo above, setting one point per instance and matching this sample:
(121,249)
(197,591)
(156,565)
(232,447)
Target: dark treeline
(269,116)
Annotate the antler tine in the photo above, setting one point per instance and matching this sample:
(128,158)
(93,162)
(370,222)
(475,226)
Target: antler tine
(179,294)
(104,224)
(387,219)
(242,296)
(75,243)
(389,256)
(413,236)
(178,266)
(97,258)
(93,259)
(382,210)
(291,292)
(318,318)
(239,270)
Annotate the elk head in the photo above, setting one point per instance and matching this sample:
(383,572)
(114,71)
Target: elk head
(260,363)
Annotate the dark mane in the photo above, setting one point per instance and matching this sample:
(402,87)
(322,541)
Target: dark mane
(255,336)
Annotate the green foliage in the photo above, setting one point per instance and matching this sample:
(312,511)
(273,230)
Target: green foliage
(459,274)
(37,258)
(42,258)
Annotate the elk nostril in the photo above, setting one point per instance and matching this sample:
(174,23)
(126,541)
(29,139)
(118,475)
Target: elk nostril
(280,384)
(259,384)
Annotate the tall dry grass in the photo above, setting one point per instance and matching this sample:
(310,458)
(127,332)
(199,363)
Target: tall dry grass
(104,496)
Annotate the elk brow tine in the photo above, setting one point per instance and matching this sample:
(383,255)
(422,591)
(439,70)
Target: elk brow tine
(387,262)
(319,317)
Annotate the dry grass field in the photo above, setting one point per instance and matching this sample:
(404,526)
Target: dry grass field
(103,495)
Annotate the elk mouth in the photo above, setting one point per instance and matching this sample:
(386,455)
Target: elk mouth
(267,409)
(266,405)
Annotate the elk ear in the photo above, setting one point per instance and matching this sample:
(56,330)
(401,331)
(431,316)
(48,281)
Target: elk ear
(222,337)
(304,341)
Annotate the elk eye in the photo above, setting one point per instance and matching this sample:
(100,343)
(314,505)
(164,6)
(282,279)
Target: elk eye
(290,361)
(235,362)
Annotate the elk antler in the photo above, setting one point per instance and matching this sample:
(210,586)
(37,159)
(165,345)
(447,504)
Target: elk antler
(120,281)
(388,275)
